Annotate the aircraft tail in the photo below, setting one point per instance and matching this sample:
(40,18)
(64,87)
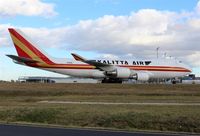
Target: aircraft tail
(26,48)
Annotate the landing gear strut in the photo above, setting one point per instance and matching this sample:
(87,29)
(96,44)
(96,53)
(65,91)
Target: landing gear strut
(173,81)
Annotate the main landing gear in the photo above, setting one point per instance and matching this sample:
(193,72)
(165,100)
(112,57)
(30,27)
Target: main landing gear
(111,80)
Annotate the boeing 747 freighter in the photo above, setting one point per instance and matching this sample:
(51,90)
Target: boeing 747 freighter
(31,55)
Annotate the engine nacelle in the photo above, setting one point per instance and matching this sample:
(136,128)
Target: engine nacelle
(119,73)
(142,76)
(97,74)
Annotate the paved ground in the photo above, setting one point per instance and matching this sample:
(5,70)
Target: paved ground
(130,103)
(17,130)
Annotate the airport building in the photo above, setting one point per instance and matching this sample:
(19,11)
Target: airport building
(191,79)
(38,79)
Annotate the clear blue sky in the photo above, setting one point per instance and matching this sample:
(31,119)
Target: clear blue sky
(69,13)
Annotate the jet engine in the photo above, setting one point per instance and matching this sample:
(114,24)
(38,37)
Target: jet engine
(119,73)
(142,76)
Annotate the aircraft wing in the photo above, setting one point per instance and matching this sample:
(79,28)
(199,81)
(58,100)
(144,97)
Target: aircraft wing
(21,59)
(99,65)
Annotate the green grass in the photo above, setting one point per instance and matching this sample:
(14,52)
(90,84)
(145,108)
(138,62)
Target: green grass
(19,103)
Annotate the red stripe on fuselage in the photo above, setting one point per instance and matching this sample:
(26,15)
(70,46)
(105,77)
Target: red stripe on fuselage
(143,68)
(158,68)
(148,66)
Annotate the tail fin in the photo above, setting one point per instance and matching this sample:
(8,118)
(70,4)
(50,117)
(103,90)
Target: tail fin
(26,48)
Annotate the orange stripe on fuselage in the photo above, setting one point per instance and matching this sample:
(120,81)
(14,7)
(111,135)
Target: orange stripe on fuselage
(145,68)
(158,68)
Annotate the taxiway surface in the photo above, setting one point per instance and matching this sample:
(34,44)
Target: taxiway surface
(20,130)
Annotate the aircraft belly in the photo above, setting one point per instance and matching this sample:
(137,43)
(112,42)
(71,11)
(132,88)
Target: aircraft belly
(79,73)
(99,74)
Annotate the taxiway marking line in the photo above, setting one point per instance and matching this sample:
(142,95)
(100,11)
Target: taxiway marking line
(120,103)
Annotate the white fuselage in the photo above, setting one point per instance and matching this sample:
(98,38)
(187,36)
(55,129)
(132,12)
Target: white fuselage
(158,68)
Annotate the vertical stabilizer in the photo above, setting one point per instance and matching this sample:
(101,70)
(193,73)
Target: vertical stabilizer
(26,48)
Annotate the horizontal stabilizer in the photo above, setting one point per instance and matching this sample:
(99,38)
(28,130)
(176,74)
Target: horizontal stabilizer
(22,59)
